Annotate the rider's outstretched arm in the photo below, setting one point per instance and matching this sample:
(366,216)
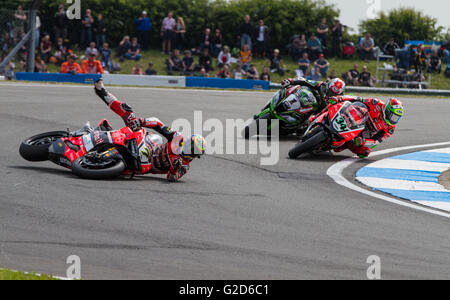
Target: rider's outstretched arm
(158,126)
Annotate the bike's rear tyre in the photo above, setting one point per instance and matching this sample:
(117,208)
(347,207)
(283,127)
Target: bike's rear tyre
(36,148)
(112,170)
(309,145)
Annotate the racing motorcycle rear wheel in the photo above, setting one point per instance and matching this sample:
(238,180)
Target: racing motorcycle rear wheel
(36,148)
(94,166)
(317,139)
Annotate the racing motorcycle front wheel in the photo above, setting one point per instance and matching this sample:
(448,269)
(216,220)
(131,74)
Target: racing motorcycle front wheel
(36,147)
(96,166)
(314,142)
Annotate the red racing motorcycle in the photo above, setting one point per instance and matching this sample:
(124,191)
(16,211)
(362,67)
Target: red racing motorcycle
(333,128)
(99,153)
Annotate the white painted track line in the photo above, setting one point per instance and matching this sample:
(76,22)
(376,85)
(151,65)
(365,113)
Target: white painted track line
(336,170)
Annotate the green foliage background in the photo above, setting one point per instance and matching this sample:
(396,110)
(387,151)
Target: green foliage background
(403,24)
(284,17)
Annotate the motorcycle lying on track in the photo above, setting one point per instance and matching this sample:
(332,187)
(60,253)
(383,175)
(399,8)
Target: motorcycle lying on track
(99,153)
(292,107)
(336,126)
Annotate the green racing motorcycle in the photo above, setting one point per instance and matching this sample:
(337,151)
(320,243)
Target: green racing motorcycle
(292,107)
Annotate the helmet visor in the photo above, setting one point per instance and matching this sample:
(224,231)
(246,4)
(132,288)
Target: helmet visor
(392,118)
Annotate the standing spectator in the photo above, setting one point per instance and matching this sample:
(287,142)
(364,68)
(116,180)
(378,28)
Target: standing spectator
(167,28)
(303,66)
(19,23)
(174,63)
(38,31)
(265,75)
(205,60)
(217,42)
(39,65)
(323,65)
(206,40)
(366,46)
(446,54)
(150,71)
(106,53)
(353,76)
(435,63)
(71,66)
(252,73)
(245,57)
(137,70)
(238,73)
(46,48)
(144,25)
(337,32)
(322,33)
(276,63)
(299,46)
(123,47)
(188,63)
(91,50)
(390,47)
(314,47)
(246,32)
(224,72)
(134,51)
(61,23)
(262,37)
(86,29)
(92,66)
(180,32)
(365,78)
(100,30)
(224,57)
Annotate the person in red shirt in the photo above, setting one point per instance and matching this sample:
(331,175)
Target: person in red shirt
(92,66)
(70,66)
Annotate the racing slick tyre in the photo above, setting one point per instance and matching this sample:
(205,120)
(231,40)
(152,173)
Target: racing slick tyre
(36,148)
(309,145)
(86,169)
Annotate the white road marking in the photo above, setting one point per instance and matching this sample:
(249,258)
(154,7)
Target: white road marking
(381,183)
(336,170)
(401,164)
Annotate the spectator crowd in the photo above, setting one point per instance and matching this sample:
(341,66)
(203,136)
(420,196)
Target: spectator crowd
(212,57)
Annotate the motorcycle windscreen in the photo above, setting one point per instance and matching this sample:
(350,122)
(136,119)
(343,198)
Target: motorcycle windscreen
(278,98)
(90,141)
(351,117)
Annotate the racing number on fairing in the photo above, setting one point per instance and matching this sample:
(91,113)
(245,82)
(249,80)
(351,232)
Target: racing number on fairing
(342,124)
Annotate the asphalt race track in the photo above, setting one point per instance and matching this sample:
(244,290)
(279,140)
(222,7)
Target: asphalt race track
(229,218)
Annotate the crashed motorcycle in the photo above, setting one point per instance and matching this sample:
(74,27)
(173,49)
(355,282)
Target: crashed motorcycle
(291,107)
(101,153)
(333,128)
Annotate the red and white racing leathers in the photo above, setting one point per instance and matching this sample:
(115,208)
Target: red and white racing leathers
(377,130)
(156,157)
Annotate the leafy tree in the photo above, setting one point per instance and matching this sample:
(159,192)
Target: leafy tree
(285,18)
(402,24)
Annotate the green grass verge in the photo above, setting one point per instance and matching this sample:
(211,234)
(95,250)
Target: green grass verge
(340,65)
(16,275)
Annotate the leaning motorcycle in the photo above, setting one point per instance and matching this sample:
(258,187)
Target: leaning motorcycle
(99,153)
(291,107)
(340,124)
